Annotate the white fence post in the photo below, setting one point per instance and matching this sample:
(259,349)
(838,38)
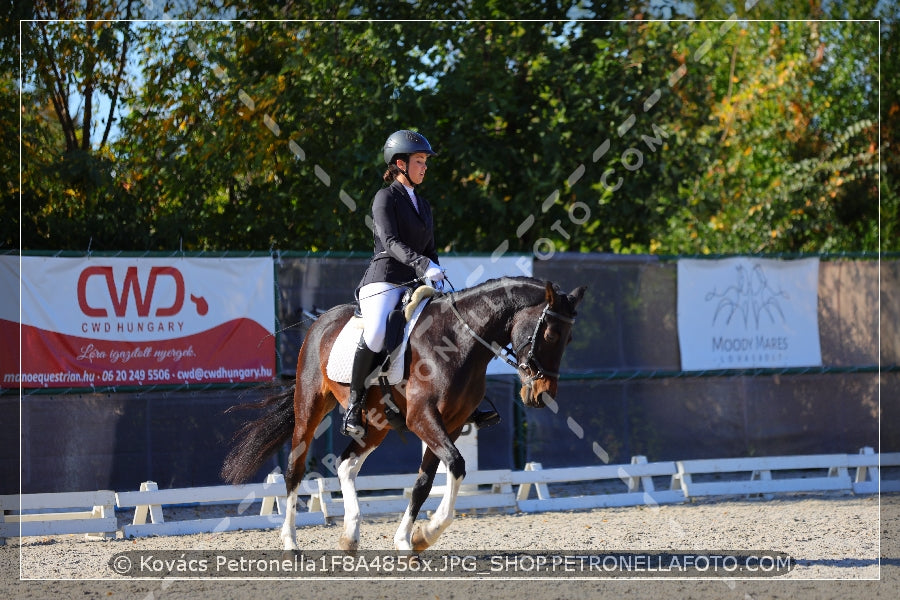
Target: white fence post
(270,502)
(543,492)
(154,510)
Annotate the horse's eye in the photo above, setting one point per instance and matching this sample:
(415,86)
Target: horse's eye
(551,336)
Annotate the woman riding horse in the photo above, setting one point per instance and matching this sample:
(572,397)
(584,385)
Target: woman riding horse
(526,322)
(404,254)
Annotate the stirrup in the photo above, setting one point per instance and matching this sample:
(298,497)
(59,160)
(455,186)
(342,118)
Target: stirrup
(354,413)
(357,429)
(484,418)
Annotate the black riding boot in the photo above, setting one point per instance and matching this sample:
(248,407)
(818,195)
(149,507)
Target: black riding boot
(362,366)
(483,418)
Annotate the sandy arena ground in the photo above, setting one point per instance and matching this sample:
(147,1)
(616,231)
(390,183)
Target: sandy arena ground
(835,540)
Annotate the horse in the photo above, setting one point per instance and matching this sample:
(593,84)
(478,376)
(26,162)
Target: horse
(457,335)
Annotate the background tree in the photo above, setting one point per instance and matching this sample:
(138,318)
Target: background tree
(9,122)
(624,135)
(78,80)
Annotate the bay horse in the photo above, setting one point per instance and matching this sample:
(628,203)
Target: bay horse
(525,321)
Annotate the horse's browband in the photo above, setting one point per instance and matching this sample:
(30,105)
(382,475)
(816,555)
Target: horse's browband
(563,318)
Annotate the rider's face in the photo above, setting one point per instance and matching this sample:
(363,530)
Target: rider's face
(416,167)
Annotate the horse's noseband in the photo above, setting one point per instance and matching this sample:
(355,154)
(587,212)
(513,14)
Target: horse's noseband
(530,365)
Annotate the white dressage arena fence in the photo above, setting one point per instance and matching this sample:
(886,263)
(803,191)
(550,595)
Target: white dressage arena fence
(93,513)
(271,495)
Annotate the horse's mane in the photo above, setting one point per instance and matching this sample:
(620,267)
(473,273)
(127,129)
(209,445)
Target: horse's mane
(502,283)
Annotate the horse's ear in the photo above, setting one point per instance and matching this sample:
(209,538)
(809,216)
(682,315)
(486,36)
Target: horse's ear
(551,295)
(577,295)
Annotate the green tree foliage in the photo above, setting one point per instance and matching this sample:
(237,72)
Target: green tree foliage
(621,134)
(9,122)
(785,155)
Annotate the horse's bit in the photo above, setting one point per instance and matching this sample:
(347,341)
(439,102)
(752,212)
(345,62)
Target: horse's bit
(530,366)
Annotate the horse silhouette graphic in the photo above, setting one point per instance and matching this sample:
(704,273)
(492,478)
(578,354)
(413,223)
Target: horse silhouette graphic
(752,299)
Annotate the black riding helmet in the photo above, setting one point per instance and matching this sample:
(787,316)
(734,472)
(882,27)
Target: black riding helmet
(406,142)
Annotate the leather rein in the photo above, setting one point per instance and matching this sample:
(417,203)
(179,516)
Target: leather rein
(530,366)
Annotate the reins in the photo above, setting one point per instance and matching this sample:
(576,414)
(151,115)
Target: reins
(499,352)
(510,355)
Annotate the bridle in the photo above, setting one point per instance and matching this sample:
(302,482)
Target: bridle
(530,366)
(531,363)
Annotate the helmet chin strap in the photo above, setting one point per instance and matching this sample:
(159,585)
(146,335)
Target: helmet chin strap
(405,173)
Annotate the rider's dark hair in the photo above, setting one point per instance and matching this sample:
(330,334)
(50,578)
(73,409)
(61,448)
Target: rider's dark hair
(393,171)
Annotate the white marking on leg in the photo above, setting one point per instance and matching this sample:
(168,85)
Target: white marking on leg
(289,529)
(403,537)
(347,472)
(445,512)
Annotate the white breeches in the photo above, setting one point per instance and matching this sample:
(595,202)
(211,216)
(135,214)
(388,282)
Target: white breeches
(376,300)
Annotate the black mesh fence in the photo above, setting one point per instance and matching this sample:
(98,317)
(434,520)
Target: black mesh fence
(622,392)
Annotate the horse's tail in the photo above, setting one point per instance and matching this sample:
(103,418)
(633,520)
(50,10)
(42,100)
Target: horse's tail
(256,440)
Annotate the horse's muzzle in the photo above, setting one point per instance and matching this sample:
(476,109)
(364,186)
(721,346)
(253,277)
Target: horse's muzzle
(533,391)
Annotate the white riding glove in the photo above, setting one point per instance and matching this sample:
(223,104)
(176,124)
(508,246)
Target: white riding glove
(434,272)
(434,276)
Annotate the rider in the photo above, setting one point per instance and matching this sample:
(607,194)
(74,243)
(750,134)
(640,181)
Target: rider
(404,253)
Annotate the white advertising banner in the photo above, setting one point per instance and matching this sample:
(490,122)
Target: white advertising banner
(108,321)
(738,313)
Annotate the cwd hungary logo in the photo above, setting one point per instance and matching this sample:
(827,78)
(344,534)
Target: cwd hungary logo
(751,301)
(116,295)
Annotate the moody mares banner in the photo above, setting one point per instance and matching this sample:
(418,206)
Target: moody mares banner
(98,321)
(739,313)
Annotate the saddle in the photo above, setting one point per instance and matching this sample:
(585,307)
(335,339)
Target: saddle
(400,322)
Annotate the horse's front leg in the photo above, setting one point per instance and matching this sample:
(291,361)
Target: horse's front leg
(427,534)
(420,491)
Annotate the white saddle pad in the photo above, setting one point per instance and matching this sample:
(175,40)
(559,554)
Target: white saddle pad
(340,361)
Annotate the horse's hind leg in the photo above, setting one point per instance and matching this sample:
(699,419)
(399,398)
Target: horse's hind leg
(351,462)
(311,411)
(296,466)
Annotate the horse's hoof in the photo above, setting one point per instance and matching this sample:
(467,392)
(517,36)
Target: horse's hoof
(347,545)
(419,543)
(289,554)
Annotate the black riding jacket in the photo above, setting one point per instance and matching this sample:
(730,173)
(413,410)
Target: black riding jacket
(404,238)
